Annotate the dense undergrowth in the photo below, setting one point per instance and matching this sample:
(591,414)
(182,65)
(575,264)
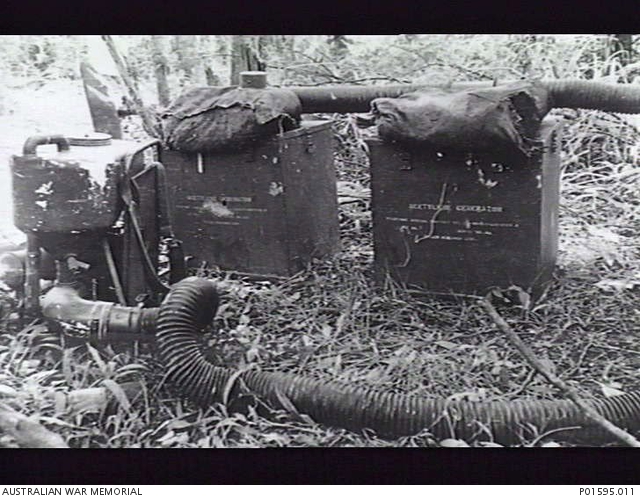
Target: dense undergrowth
(332,322)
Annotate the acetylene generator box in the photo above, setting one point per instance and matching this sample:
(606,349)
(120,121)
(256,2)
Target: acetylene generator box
(455,222)
(267,210)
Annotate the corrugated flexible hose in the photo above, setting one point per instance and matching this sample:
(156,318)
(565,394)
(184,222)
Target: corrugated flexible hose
(192,303)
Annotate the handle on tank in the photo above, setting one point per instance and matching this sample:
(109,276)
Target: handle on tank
(32,143)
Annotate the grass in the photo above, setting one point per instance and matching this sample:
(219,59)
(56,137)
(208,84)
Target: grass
(332,322)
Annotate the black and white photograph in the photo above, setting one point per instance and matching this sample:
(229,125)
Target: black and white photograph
(319,241)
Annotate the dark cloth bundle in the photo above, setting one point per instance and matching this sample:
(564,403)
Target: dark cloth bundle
(213,119)
(506,117)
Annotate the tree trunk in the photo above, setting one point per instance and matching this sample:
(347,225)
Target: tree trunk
(338,45)
(148,122)
(288,46)
(189,52)
(243,58)
(211,77)
(160,68)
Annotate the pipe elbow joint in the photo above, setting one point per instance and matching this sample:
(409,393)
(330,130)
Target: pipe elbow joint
(63,303)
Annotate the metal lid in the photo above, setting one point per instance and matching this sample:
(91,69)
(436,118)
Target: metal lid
(90,139)
(253,79)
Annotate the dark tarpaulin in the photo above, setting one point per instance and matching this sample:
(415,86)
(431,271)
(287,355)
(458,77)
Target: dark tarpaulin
(213,118)
(505,117)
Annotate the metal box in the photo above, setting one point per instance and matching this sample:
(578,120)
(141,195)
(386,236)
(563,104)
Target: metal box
(73,189)
(453,222)
(71,200)
(267,210)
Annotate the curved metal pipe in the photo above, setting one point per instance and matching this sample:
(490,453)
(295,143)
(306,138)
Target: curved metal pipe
(193,302)
(347,98)
(579,94)
(32,143)
(63,303)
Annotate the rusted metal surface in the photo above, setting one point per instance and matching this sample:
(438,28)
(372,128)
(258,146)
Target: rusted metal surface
(267,210)
(459,223)
(68,191)
(70,199)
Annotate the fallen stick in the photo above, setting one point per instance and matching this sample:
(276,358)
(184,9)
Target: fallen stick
(27,432)
(571,394)
(98,398)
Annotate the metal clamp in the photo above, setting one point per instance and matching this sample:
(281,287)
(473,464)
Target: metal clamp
(553,142)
